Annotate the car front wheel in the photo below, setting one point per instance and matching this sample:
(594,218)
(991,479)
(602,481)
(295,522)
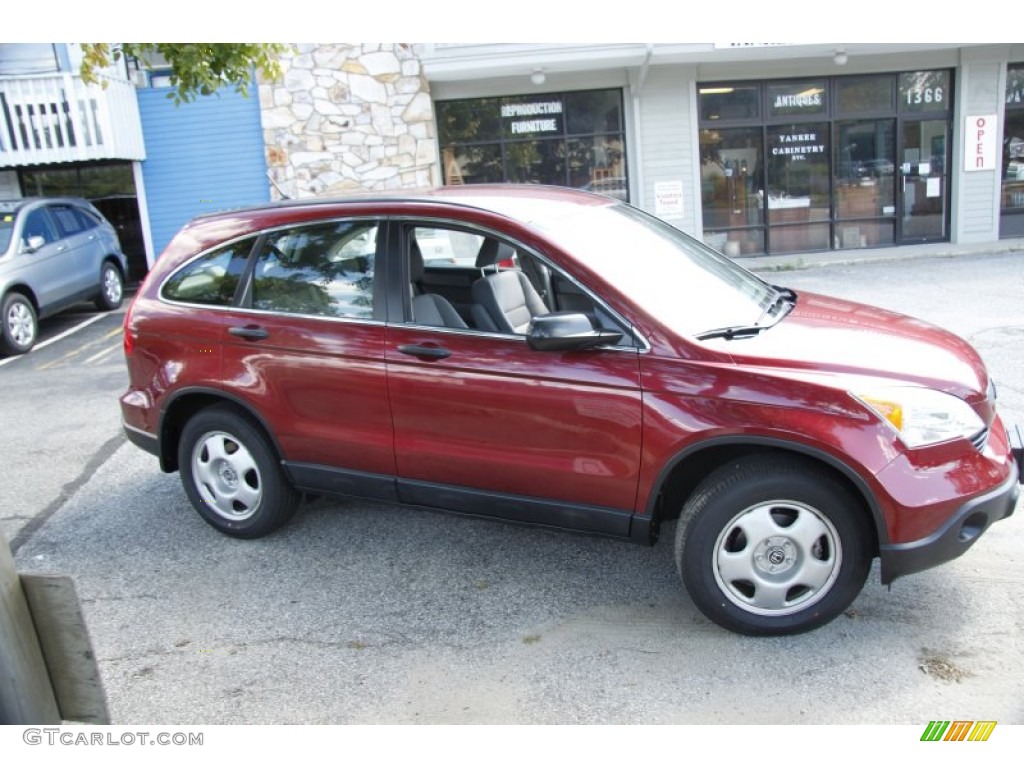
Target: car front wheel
(20,324)
(111,288)
(231,475)
(772,545)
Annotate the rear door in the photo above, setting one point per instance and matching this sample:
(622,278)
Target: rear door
(79,257)
(306,350)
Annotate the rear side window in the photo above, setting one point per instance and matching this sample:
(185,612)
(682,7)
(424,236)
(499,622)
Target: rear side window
(321,269)
(67,220)
(212,278)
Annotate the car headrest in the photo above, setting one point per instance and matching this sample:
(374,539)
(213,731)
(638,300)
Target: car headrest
(492,251)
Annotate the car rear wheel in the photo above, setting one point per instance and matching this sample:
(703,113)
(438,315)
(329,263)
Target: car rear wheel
(111,288)
(20,324)
(231,474)
(772,545)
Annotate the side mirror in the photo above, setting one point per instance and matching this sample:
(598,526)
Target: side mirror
(565,331)
(34,243)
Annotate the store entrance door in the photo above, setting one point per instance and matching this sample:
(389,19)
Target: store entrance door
(923,189)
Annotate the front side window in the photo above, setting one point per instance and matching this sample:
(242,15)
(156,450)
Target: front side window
(322,269)
(39,224)
(211,279)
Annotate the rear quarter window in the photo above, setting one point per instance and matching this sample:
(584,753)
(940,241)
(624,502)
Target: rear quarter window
(212,278)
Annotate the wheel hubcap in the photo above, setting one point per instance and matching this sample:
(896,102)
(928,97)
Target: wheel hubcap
(777,558)
(20,324)
(112,286)
(226,476)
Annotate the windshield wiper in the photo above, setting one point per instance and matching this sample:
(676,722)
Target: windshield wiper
(783,296)
(732,332)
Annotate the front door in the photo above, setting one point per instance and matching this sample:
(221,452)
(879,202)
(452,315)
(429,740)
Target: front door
(923,186)
(486,425)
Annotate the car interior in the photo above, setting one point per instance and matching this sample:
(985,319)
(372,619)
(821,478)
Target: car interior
(499,290)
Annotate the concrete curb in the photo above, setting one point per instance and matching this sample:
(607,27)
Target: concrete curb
(798,261)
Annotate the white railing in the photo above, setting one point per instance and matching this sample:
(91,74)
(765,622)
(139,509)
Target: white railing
(59,119)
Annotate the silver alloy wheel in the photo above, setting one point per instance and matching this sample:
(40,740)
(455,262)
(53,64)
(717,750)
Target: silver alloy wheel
(777,557)
(21,324)
(112,287)
(226,476)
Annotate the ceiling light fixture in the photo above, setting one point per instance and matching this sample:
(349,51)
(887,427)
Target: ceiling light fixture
(538,77)
(840,57)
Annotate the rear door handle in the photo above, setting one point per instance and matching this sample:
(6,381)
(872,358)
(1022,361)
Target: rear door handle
(418,350)
(251,332)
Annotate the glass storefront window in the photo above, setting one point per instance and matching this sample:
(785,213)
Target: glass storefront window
(797,99)
(535,162)
(834,169)
(925,91)
(568,139)
(730,180)
(862,95)
(1011,222)
(729,102)
(593,112)
(468,121)
(865,183)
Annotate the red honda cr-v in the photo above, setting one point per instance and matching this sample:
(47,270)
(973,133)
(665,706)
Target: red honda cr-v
(559,358)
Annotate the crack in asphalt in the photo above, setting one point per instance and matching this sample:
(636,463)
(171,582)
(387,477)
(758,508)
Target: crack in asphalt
(97,460)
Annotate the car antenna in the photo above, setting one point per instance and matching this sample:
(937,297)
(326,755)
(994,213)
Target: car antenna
(280,191)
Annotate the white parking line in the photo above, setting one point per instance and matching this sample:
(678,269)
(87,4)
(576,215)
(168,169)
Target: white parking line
(58,337)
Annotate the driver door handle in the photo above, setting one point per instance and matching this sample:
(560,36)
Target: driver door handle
(250,332)
(419,350)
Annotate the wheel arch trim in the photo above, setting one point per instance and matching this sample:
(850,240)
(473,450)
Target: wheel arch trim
(774,443)
(169,457)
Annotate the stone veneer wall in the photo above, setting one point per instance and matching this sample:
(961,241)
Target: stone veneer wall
(348,118)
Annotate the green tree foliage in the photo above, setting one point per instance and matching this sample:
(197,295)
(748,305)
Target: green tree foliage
(196,68)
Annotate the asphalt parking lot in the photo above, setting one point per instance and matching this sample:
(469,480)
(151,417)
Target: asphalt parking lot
(365,613)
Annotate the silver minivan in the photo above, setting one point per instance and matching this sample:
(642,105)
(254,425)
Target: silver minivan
(54,252)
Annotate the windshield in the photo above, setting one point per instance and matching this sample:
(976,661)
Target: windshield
(680,281)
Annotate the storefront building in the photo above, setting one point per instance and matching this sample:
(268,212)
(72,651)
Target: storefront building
(756,149)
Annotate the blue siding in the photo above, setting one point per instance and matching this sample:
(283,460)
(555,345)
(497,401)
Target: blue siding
(206,155)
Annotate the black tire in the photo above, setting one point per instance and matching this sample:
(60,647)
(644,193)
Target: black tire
(20,324)
(232,476)
(772,545)
(111,287)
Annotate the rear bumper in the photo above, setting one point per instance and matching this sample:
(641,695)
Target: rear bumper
(957,535)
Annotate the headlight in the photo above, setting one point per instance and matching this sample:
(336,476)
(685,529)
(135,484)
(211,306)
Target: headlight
(922,416)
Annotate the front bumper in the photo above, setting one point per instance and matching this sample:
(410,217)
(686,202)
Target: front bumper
(959,533)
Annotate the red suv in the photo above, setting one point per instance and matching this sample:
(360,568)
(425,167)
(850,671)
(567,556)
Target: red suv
(559,358)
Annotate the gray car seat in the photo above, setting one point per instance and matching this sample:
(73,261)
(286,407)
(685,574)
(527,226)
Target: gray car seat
(429,308)
(505,300)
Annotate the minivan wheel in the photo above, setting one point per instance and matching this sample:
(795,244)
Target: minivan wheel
(231,475)
(111,288)
(771,545)
(20,324)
